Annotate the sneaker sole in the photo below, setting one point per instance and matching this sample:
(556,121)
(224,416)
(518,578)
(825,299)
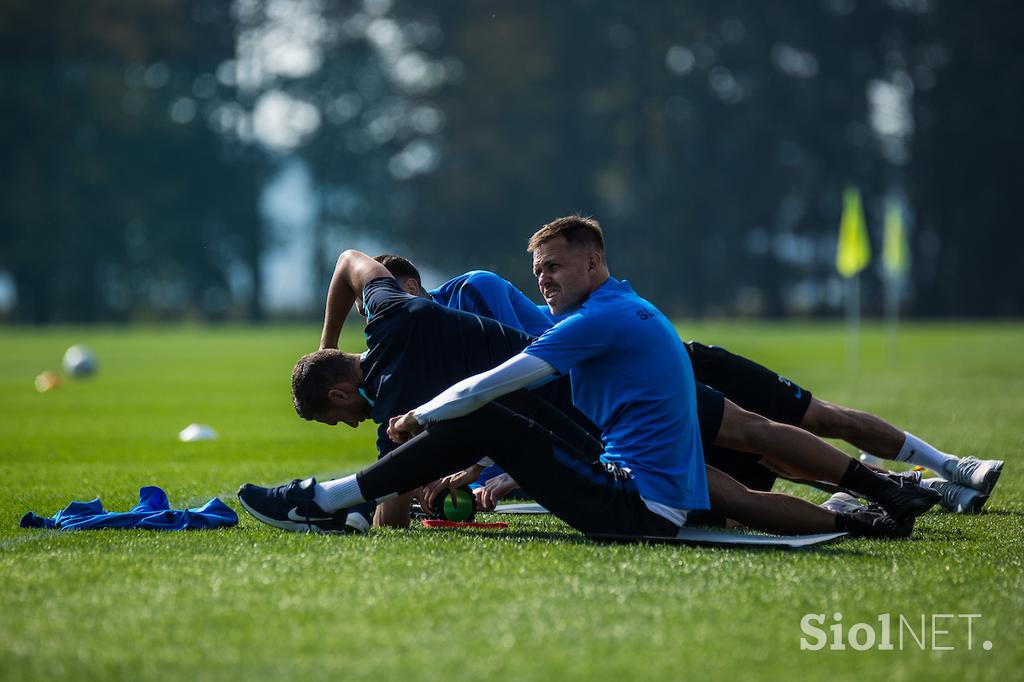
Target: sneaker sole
(290,526)
(975,505)
(901,533)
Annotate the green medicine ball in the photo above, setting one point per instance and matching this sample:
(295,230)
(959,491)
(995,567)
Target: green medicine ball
(464,508)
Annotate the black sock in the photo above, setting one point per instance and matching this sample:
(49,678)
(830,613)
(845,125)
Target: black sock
(865,481)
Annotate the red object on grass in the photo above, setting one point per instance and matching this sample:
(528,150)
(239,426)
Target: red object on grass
(441,523)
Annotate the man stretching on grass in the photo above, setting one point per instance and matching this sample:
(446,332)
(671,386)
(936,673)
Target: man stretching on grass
(729,434)
(409,336)
(417,348)
(966,484)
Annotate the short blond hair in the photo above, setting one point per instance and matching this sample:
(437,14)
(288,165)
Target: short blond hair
(575,229)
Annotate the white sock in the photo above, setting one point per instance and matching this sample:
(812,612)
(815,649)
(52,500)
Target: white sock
(916,451)
(338,494)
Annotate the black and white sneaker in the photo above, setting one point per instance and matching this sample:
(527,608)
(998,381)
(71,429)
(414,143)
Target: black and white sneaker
(871,521)
(958,498)
(291,507)
(907,499)
(980,474)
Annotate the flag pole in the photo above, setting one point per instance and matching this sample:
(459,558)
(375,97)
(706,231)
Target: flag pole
(892,319)
(895,261)
(853,253)
(853,321)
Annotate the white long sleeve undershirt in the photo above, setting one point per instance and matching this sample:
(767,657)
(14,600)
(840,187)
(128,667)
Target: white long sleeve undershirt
(476,391)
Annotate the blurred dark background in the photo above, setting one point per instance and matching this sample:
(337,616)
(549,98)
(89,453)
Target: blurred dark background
(207,160)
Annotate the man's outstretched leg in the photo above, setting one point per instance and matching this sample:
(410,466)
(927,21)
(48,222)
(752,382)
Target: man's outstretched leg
(787,515)
(800,455)
(758,389)
(878,437)
(587,495)
(293,507)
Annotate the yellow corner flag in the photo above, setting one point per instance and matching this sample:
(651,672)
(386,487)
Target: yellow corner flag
(854,252)
(894,251)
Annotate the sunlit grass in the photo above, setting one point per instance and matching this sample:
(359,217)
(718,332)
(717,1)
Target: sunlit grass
(534,602)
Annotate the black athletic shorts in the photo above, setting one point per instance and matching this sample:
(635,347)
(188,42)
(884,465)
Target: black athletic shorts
(748,384)
(710,409)
(745,467)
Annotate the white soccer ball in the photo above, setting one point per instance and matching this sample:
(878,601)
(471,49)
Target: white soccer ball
(79,362)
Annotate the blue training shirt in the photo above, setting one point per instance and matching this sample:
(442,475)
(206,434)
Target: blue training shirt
(488,295)
(153,512)
(631,375)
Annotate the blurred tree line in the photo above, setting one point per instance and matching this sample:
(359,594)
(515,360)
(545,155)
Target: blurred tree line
(711,138)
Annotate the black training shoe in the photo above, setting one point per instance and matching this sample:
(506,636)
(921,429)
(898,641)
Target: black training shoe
(291,507)
(871,521)
(908,499)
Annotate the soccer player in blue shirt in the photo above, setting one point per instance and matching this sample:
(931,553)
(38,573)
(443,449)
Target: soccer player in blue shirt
(416,348)
(733,440)
(628,370)
(625,376)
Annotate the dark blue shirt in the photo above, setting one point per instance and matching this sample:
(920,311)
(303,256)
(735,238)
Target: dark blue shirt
(417,348)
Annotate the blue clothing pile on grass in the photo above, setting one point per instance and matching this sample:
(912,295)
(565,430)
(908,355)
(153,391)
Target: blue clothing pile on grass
(153,512)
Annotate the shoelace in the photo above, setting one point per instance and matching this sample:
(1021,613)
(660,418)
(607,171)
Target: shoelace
(949,493)
(905,478)
(302,506)
(965,468)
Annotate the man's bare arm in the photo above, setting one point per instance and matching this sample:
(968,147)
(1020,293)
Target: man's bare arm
(353,271)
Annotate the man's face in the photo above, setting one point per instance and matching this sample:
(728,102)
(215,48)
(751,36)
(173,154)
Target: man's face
(563,274)
(345,405)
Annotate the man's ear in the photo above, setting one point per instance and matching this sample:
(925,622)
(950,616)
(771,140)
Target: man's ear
(410,286)
(340,394)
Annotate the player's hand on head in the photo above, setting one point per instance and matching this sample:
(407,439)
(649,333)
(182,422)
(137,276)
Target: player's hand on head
(401,429)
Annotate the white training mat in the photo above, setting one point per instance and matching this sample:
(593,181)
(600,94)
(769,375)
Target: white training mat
(524,508)
(704,537)
(709,537)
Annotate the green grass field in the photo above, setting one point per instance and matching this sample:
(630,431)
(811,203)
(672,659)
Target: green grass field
(536,602)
